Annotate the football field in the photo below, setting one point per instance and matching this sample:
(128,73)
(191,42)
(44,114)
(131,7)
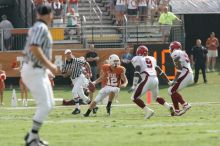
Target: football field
(200,126)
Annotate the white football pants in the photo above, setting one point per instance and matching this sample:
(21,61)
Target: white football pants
(37,81)
(80,83)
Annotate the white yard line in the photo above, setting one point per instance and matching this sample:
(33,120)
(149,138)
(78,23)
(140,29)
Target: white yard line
(115,105)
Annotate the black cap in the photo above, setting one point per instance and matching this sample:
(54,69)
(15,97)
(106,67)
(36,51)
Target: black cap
(44,10)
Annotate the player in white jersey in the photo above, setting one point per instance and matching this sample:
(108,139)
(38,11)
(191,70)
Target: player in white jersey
(146,70)
(183,77)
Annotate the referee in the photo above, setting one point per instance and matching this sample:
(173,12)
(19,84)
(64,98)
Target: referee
(73,68)
(38,53)
(198,58)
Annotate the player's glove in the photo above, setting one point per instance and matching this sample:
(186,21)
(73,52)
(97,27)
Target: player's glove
(131,89)
(171,83)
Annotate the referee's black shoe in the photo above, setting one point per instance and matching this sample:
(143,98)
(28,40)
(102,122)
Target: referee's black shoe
(108,109)
(76,111)
(94,111)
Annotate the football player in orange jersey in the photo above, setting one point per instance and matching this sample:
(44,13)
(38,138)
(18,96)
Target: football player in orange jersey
(114,78)
(2,84)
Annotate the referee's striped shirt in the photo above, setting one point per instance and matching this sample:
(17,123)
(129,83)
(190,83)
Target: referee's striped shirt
(75,66)
(38,35)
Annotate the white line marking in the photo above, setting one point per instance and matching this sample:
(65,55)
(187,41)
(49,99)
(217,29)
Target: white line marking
(115,105)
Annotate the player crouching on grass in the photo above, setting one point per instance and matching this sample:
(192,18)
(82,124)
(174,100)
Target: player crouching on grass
(146,72)
(114,74)
(183,77)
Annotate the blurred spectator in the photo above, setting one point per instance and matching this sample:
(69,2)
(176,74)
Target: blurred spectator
(126,62)
(198,59)
(111,7)
(74,4)
(2,84)
(132,10)
(142,7)
(72,22)
(57,8)
(212,44)
(120,9)
(92,58)
(38,3)
(152,9)
(65,6)
(6,25)
(166,21)
(46,2)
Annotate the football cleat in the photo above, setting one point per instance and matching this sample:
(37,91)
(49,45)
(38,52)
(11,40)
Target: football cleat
(185,109)
(85,115)
(176,113)
(76,111)
(148,114)
(108,109)
(35,142)
(172,112)
(94,111)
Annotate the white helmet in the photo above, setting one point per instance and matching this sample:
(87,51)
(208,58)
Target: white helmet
(114,60)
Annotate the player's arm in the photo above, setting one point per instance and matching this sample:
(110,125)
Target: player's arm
(87,66)
(38,53)
(101,77)
(162,74)
(177,63)
(64,71)
(178,66)
(137,77)
(124,79)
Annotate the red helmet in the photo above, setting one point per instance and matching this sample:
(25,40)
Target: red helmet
(175,46)
(142,50)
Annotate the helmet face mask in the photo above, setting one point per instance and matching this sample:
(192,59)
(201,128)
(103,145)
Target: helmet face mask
(175,46)
(142,51)
(114,60)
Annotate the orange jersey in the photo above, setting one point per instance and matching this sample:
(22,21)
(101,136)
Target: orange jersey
(212,43)
(112,77)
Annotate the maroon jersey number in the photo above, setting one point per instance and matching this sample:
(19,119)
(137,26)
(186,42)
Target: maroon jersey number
(149,63)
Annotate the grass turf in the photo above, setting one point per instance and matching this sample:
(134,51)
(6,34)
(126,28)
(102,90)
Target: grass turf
(126,126)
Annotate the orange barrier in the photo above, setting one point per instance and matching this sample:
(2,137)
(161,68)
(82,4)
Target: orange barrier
(8,59)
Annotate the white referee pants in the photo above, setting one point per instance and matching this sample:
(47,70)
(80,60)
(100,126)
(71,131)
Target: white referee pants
(78,84)
(37,81)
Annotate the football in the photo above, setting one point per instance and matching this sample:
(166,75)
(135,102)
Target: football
(91,87)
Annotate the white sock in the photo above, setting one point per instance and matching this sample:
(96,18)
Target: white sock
(77,103)
(166,105)
(147,109)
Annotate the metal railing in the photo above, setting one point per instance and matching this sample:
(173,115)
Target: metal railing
(125,30)
(1,40)
(113,36)
(83,23)
(95,11)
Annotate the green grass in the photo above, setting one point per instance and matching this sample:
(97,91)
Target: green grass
(126,127)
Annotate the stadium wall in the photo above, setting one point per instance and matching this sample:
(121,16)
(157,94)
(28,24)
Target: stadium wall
(11,60)
(200,26)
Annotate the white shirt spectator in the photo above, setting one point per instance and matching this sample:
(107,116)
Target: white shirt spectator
(6,26)
(132,4)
